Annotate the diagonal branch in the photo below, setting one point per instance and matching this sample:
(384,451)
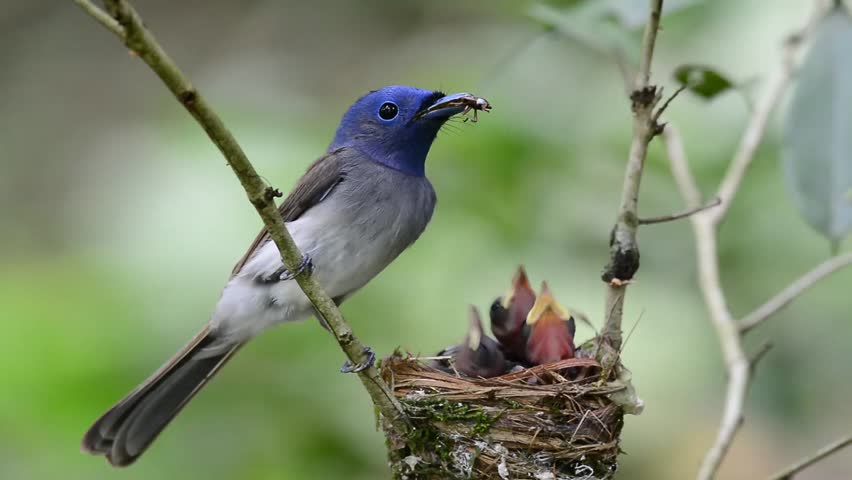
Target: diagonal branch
(122,20)
(751,140)
(757,124)
(789,472)
(624,250)
(802,284)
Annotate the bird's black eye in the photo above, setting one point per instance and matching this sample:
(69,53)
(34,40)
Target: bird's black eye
(388,111)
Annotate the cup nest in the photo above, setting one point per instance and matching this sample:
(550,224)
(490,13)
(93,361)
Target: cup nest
(550,422)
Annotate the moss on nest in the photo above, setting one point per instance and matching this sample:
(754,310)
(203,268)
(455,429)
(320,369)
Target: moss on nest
(531,424)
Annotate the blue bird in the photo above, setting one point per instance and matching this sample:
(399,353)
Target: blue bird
(351,214)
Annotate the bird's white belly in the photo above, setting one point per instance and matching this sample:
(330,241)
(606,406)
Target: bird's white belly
(344,260)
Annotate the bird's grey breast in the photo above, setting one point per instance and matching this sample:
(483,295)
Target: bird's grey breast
(362,224)
(369,218)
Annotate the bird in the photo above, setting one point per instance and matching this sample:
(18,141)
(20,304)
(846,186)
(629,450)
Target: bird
(509,314)
(479,355)
(552,330)
(351,214)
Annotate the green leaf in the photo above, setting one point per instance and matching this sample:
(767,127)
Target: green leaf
(703,81)
(817,154)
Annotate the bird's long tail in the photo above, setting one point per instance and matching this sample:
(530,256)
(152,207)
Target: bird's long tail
(124,432)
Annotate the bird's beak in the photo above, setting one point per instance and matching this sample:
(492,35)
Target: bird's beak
(545,304)
(449,105)
(474,333)
(519,282)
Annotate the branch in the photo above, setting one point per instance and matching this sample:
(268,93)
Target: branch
(789,472)
(759,120)
(800,286)
(680,215)
(705,227)
(737,363)
(739,366)
(684,179)
(122,20)
(101,16)
(624,250)
(643,78)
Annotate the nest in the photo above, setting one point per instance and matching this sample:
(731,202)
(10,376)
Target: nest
(533,424)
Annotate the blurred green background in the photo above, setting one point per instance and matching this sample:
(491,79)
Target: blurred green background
(119,223)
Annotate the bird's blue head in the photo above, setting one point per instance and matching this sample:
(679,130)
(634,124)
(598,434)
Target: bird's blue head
(396,125)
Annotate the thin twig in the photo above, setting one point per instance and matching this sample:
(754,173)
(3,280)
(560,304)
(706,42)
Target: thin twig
(137,37)
(624,250)
(101,16)
(677,216)
(752,138)
(630,333)
(660,111)
(803,283)
(792,470)
(758,355)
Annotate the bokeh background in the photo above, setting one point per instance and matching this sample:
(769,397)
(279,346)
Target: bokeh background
(119,223)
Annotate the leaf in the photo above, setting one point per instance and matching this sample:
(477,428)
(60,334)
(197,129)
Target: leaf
(702,81)
(817,153)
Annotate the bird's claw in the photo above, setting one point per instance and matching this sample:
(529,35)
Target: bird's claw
(282,274)
(348,367)
(306,264)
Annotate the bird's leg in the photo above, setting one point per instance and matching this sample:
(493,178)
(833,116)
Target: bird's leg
(282,274)
(370,359)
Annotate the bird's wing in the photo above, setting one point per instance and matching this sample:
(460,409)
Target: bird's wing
(314,186)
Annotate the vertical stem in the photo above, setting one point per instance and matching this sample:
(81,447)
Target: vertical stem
(624,249)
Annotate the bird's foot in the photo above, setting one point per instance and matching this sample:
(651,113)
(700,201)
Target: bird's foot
(370,359)
(306,264)
(282,274)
